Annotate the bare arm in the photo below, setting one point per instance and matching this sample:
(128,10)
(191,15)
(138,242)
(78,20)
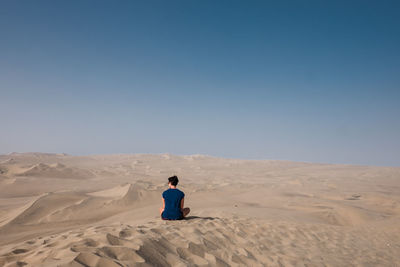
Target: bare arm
(163,206)
(182,203)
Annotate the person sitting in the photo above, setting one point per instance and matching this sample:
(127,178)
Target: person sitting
(173,202)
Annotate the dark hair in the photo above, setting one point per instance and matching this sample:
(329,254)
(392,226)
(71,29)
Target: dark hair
(173,180)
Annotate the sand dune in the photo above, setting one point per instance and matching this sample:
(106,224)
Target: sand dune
(13,212)
(116,192)
(56,170)
(59,207)
(60,210)
(214,241)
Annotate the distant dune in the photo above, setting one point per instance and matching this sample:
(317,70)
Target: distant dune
(102,210)
(56,170)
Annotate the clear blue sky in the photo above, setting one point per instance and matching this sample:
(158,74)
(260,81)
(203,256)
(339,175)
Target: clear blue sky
(311,81)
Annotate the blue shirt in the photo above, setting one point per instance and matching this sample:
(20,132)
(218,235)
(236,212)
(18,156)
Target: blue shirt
(172,210)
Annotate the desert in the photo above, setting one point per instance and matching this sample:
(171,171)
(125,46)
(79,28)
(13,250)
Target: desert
(102,210)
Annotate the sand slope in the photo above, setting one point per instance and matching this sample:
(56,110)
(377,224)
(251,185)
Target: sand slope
(212,241)
(57,210)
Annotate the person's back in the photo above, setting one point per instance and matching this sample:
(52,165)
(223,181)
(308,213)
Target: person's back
(173,198)
(173,201)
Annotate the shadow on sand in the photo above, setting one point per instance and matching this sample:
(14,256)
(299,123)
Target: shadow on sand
(200,218)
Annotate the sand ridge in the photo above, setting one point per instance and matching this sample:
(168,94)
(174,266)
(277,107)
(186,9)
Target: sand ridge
(214,241)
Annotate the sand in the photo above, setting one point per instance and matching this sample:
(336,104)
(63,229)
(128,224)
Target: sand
(102,210)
